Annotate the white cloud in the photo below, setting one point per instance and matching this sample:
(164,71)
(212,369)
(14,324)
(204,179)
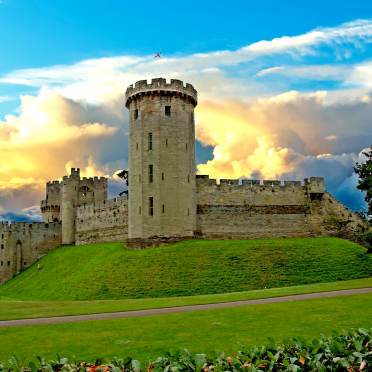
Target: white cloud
(255,126)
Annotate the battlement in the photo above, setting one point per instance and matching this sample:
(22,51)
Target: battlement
(7,226)
(92,181)
(99,181)
(312,184)
(53,183)
(160,85)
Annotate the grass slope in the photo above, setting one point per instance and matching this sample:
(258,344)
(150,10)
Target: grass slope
(204,331)
(109,271)
(15,309)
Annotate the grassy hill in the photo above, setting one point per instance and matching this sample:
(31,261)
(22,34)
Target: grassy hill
(110,271)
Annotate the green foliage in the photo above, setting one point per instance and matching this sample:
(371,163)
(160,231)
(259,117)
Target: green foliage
(368,241)
(364,171)
(194,267)
(351,351)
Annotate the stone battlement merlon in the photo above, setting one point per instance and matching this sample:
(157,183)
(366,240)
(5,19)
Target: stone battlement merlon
(94,181)
(160,85)
(28,226)
(313,184)
(53,183)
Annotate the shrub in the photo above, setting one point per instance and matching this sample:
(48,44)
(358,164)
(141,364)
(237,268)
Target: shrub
(367,239)
(349,351)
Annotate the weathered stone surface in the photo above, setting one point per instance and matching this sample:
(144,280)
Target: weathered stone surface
(21,244)
(104,221)
(161,159)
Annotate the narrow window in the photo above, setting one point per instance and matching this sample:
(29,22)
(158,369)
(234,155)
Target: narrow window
(139,178)
(186,146)
(151,173)
(24,263)
(167,111)
(135,114)
(151,206)
(8,263)
(188,211)
(166,142)
(162,176)
(139,210)
(2,263)
(2,246)
(163,208)
(188,178)
(137,146)
(2,236)
(150,141)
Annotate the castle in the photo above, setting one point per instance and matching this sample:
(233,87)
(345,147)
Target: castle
(167,200)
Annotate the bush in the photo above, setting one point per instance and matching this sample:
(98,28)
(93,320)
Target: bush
(349,351)
(367,238)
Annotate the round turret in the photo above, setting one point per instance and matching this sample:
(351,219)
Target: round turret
(161,159)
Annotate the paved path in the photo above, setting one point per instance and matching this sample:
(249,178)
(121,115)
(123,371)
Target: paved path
(181,309)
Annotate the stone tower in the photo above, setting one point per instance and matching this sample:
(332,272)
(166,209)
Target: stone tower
(161,160)
(70,194)
(74,192)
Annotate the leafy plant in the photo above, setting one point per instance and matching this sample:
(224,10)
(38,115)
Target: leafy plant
(349,351)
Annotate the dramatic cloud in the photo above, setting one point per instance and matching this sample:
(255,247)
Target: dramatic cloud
(261,119)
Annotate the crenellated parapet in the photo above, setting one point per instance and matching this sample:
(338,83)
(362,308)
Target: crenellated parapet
(160,85)
(251,184)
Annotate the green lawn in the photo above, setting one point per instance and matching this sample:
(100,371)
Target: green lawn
(203,331)
(195,267)
(33,309)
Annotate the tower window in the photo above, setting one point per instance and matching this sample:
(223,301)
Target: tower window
(188,211)
(151,206)
(137,146)
(135,114)
(186,146)
(150,141)
(2,263)
(8,263)
(139,178)
(162,176)
(166,142)
(2,236)
(188,178)
(151,173)
(167,111)
(163,208)
(2,246)
(139,210)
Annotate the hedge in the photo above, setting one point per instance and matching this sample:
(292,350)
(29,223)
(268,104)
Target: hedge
(347,351)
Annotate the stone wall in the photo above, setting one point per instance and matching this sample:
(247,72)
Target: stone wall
(105,221)
(254,209)
(21,244)
(251,208)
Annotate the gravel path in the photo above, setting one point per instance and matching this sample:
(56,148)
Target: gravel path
(181,309)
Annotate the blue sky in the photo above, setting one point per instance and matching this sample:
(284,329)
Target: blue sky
(284,87)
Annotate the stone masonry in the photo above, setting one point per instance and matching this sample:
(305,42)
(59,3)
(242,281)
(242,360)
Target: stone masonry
(167,201)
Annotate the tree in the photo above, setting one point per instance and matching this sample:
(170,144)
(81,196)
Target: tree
(364,171)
